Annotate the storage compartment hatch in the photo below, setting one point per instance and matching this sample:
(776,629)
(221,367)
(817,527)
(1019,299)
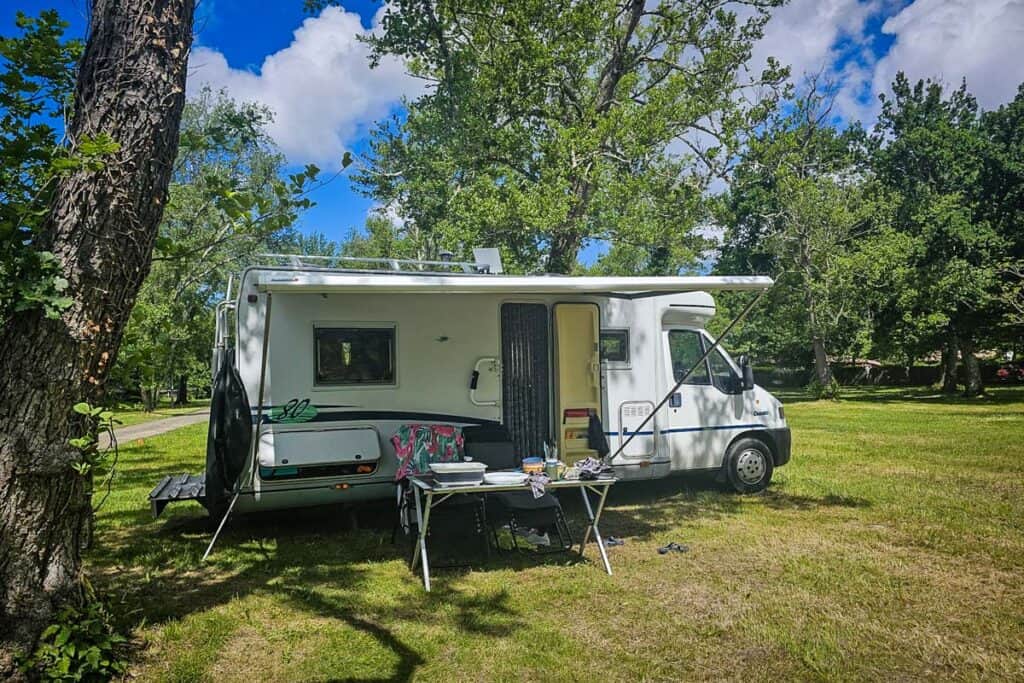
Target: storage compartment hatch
(304,447)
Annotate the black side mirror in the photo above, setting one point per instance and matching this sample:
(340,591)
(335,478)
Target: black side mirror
(748,372)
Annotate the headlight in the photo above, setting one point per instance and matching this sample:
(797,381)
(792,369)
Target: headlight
(782,413)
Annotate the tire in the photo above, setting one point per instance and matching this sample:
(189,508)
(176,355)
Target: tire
(749,465)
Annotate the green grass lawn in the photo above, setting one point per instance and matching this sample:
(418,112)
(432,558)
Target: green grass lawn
(129,415)
(891,547)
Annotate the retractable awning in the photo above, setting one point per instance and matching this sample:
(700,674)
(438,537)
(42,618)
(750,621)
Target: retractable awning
(626,287)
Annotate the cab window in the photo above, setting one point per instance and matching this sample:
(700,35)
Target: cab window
(722,374)
(685,348)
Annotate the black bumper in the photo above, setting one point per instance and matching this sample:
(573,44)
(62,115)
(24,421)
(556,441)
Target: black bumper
(783,440)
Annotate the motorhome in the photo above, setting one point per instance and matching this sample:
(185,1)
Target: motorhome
(331,359)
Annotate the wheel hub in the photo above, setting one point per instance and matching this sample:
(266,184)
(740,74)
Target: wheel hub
(751,466)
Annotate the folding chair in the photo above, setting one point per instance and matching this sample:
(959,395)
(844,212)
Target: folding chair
(492,445)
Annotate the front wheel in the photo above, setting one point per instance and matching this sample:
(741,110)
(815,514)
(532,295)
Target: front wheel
(749,465)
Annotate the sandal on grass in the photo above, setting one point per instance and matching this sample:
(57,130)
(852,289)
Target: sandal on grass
(673,547)
(612,541)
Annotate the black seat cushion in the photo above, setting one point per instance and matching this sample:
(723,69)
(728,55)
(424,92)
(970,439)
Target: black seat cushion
(499,455)
(486,433)
(524,500)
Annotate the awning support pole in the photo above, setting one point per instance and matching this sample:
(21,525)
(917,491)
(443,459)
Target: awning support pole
(674,389)
(256,437)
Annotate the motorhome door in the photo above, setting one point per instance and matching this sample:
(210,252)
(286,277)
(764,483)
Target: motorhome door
(578,376)
(525,373)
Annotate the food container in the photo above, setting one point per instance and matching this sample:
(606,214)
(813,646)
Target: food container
(554,469)
(458,473)
(533,465)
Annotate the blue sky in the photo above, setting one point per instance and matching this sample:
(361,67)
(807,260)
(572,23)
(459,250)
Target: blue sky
(312,71)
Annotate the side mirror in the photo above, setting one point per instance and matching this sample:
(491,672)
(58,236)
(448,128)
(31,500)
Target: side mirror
(748,372)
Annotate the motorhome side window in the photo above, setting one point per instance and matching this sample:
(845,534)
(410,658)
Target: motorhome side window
(685,349)
(615,345)
(355,355)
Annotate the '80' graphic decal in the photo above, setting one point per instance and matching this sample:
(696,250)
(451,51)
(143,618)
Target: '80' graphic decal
(295,410)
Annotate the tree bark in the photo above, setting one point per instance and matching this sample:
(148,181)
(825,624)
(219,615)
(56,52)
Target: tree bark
(822,370)
(182,398)
(949,363)
(972,380)
(101,226)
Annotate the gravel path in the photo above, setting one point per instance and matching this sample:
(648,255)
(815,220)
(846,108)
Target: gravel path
(154,427)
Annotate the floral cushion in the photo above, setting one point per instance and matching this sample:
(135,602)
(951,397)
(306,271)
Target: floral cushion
(416,446)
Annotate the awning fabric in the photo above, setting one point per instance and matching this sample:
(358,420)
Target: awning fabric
(327,282)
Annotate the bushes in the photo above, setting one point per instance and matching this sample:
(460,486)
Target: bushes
(80,645)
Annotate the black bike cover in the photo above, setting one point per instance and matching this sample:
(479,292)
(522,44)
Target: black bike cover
(230,435)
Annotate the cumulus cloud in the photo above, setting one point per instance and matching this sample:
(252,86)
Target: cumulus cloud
(810,35)
(321,88)
(980,40)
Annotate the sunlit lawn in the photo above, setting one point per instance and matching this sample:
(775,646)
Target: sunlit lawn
(129,415)
(892,547)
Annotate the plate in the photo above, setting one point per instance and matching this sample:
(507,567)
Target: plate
(505,478)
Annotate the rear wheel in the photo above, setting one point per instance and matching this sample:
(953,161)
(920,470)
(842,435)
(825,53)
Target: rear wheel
(749,465)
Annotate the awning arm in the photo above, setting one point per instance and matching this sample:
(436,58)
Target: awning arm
(674,389)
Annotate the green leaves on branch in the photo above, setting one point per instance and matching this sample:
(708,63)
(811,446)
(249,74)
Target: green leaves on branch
(36,80)
(93,422)
(549,125)
(229,201)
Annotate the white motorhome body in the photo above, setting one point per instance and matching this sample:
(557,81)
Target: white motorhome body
(335,362)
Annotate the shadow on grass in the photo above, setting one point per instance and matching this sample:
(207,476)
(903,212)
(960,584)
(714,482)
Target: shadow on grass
(306,557)
(317,562)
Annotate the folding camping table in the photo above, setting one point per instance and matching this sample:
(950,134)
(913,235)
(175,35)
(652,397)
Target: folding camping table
(429,495)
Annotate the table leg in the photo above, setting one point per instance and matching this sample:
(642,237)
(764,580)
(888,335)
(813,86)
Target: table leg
(595,517)
(423,518)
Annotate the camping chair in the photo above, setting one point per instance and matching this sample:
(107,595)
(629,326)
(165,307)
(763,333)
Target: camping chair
(492,445)
(416,446)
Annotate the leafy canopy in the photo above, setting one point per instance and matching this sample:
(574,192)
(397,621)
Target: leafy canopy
(548,125)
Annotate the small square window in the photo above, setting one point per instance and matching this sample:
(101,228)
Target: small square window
(615,345)
(355,355)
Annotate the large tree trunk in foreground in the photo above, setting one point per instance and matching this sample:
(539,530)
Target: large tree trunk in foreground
(949,352)
(102,226)
(972,371)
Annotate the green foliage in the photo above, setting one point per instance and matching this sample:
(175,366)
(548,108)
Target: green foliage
(36,79)
(804,208)
(80,645)
(229,201)
(93,422)
(934,150)
(819,390)
(549,125)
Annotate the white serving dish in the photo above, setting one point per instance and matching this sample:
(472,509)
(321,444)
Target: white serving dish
(506,478)
(458,473)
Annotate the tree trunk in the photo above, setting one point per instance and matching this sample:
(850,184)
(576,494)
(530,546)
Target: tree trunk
(101,226)
(564,248)
(566,243)
(949,352)
(822,370)
(972,372)
(182,398)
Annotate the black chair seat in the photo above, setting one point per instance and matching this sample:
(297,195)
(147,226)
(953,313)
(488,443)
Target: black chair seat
(524,500)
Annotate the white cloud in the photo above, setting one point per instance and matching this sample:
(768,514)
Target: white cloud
(806,34)
(951,39)
(321,87)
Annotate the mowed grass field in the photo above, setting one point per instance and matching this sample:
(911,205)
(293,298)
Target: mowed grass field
(891,547)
